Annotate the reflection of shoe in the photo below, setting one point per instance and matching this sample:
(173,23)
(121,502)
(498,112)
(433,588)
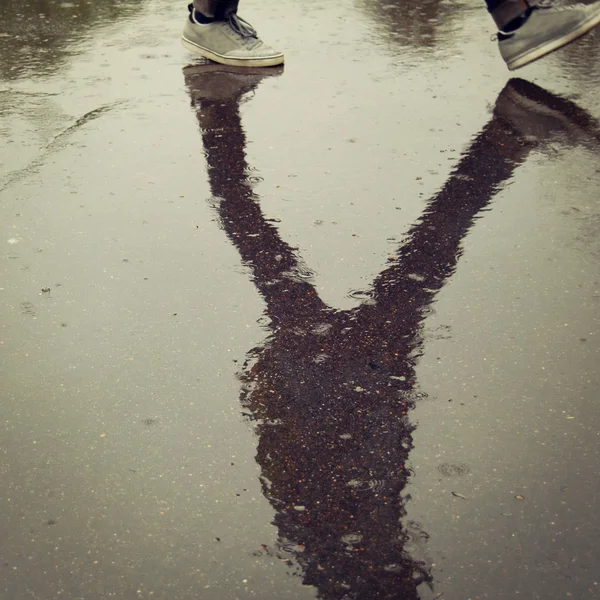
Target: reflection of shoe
(547,28)
(210,81)
(230,42)
(536,115)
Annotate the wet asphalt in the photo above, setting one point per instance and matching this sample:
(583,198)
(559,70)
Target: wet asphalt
(329,331)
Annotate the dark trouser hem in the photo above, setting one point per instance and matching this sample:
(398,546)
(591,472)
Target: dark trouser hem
(218,9)
(505,11)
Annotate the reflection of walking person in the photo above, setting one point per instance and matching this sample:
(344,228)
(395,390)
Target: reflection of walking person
(528,30)
(330,391)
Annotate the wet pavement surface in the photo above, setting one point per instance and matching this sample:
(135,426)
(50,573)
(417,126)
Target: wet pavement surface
(322,332)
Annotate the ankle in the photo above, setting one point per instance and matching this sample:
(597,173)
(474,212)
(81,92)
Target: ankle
(518,22)
(197,17)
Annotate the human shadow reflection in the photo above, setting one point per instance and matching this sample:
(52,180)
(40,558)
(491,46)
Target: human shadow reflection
(330,390)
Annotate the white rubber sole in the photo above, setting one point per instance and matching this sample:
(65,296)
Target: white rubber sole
(267,61)
(546,48)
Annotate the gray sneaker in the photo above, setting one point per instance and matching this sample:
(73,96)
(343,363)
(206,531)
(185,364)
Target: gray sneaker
(547,29)
(231,42)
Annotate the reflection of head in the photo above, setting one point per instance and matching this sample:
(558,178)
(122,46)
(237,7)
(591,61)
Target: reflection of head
(330,390)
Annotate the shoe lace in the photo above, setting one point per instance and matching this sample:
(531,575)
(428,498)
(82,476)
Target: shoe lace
(241,27)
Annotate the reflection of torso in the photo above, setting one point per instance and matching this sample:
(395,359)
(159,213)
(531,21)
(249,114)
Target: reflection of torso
(331,413)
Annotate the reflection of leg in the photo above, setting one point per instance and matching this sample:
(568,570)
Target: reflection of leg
(525,117)
(216,93)
(532,29)
(215,31)
(434,242)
